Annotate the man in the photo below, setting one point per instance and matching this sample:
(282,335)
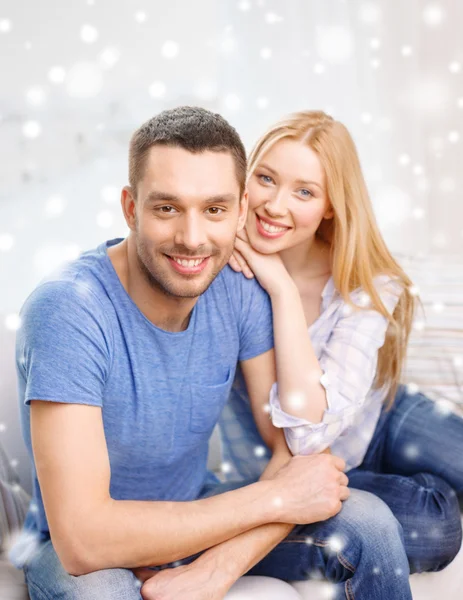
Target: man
(125,360)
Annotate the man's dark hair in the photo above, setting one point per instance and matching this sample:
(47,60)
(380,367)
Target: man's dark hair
(189,127)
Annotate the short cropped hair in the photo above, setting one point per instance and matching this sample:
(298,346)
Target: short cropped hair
(189,127)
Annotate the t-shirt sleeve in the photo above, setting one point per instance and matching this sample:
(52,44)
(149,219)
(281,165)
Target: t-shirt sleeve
(256,326)
(63,345)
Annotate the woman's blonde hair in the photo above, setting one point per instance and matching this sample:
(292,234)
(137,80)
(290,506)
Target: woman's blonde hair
(357,249)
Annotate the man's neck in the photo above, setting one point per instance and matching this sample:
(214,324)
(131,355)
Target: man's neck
(164,311)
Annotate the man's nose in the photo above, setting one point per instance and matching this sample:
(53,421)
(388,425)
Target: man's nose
(191,232)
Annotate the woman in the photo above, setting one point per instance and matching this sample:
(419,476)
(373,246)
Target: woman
(312,241)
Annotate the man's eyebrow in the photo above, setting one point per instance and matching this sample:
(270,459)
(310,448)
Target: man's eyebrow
(158,196)
(300,181)
(221,198)
(155,196)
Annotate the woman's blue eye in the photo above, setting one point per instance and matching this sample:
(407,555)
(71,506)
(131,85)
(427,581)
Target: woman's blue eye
(306,193)
(266,178)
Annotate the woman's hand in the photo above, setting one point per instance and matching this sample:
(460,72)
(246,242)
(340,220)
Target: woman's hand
(267,268)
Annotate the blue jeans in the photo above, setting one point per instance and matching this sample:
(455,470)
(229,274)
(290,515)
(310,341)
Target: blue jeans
(402,516)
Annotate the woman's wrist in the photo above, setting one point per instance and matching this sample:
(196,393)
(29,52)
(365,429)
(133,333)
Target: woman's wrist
(285,290)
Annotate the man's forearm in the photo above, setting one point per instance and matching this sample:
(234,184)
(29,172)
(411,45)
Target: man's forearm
(130,533)
(237,556)
(234,557)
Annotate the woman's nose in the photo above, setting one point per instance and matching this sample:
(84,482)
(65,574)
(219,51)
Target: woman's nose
(277,206)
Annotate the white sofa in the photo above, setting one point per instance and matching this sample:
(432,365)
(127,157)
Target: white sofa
(434,364)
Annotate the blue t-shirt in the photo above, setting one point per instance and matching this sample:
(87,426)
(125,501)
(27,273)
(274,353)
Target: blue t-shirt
(84,341)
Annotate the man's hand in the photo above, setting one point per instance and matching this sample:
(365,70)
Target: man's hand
(309,489)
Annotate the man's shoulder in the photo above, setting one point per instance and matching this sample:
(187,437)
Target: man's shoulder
(74,285)
(238,284)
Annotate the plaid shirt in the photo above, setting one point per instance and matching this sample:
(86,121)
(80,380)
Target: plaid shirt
(346,343)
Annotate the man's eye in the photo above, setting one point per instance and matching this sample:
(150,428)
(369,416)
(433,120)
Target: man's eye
(215,210)
(166,209)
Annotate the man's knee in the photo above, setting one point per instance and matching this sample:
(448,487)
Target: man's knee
(46,577)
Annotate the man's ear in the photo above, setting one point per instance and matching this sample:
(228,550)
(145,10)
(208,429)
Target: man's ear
(243,210)
(129,206)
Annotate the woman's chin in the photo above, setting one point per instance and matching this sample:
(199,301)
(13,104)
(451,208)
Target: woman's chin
(264,246)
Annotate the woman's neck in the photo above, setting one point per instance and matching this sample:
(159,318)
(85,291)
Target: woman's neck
(309,260)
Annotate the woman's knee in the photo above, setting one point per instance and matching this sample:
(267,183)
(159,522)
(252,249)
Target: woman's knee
(439,520)
(365,521)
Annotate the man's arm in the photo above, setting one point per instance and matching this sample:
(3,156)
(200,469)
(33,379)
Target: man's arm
(92,531)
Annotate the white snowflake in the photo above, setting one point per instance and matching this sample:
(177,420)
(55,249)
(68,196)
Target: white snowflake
(36,95)
(272,18)
(84,80)
(226,467)
(140,16)
(170,49)
(370,12)
(266,53)
(336,543)
(262,102)
(13,322)
(54,206)
(334,44)
(110,194)
(32,129)
(57,74)
(105,219)
(411,451)
(232,102)
(412,388)
(433,15)
(5,25)
(244,5)
(6,242)
(157,89)
(89,34)
(109,57)
(260,451)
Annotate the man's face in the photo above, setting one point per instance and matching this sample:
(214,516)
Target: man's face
(188,211)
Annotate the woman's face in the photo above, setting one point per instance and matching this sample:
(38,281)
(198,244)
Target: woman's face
(287,197)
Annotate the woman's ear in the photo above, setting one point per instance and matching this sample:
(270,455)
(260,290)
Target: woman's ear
(329,214)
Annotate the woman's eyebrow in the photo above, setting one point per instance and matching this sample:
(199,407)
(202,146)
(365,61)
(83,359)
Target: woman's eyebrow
(303,182)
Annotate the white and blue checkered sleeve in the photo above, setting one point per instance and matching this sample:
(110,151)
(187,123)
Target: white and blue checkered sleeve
(349,362)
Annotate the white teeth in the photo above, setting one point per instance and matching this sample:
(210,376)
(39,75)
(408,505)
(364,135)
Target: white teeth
(188,263)
(271,228)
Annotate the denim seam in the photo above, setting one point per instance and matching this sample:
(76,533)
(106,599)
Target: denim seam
(345,563)
(349,591)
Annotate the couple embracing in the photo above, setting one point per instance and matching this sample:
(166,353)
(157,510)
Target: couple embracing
(258,294)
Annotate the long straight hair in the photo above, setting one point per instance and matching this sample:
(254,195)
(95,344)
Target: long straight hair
(357,249)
